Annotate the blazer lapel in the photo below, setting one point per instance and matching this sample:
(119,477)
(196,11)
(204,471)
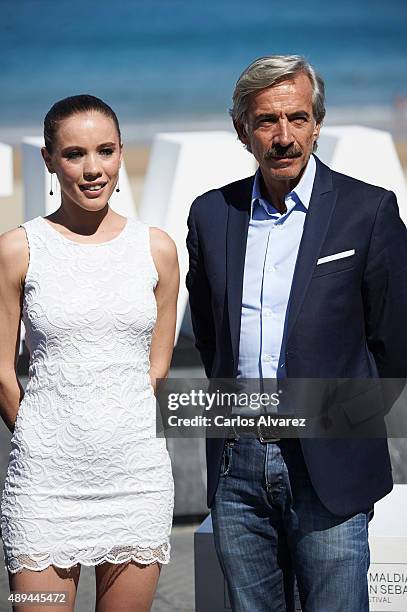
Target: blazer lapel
(321,206)
(239,200)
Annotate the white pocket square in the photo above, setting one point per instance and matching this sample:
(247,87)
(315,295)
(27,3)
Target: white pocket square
(341,255)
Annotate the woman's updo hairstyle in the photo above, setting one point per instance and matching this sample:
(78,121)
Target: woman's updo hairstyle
(71,106)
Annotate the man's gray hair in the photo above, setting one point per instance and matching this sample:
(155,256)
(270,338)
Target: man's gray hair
(270,70)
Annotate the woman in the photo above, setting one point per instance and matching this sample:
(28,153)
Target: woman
(88,482)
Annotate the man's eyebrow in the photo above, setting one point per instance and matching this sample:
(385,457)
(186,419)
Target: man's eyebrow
(266,116)
(299,113)
(275,116)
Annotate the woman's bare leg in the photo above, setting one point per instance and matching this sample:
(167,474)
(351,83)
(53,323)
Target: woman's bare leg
(52,579)
(126,587)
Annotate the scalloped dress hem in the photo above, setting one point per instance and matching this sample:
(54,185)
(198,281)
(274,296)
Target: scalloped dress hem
(162,559)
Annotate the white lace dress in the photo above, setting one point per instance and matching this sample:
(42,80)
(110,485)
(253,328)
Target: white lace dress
(87,480)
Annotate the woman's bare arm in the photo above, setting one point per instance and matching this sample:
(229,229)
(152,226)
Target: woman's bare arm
(164,253)
(13,266)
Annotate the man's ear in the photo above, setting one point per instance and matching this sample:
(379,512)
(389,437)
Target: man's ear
(317,129)
(47,159)
(241,130)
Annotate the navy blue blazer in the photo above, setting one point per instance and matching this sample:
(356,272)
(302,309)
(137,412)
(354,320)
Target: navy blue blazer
(347,318)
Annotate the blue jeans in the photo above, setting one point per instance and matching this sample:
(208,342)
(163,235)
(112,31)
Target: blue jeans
(270,526)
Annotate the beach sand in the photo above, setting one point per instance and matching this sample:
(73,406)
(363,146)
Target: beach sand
(136,160)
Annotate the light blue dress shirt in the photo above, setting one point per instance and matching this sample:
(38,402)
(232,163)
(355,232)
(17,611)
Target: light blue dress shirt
(271,253)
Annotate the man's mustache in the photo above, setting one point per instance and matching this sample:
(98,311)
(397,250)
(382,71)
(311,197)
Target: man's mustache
(279,152)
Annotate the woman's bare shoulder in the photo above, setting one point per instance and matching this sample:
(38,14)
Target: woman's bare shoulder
(13,243)
(14,253)
(162,245)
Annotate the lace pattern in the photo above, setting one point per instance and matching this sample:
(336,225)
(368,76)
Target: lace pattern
(118,554)
(87,480)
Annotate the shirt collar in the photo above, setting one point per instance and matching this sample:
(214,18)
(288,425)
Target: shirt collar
(302,191)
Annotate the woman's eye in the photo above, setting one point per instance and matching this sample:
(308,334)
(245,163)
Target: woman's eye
(73,154)
(107,151)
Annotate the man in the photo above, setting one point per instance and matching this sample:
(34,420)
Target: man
(297,272)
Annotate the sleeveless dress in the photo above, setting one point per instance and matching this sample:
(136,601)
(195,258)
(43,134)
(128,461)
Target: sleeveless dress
(88,481)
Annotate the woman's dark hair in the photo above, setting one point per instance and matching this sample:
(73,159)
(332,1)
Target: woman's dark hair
(71,106)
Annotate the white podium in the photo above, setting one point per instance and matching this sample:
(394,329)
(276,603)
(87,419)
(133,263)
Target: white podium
(388,553)
(182,166)
(366,154)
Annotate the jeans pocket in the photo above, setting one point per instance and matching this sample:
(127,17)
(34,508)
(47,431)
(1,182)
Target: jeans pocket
(226,459)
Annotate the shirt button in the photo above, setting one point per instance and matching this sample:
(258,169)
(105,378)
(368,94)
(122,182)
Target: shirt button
(267,358)
(267,312)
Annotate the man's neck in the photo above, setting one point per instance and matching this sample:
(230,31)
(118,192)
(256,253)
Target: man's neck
(275,190)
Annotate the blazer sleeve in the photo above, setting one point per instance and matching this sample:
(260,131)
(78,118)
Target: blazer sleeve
(200,297)
(385,291)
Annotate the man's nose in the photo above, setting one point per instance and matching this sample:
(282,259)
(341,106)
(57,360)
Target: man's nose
(91,166)
(283,134)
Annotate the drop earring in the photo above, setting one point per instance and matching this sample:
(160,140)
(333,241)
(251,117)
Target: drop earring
(117,187)
(51,191)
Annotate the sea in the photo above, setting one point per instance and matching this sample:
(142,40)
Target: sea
(172,64)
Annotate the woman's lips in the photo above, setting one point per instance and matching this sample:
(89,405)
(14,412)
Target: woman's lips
(92,190)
